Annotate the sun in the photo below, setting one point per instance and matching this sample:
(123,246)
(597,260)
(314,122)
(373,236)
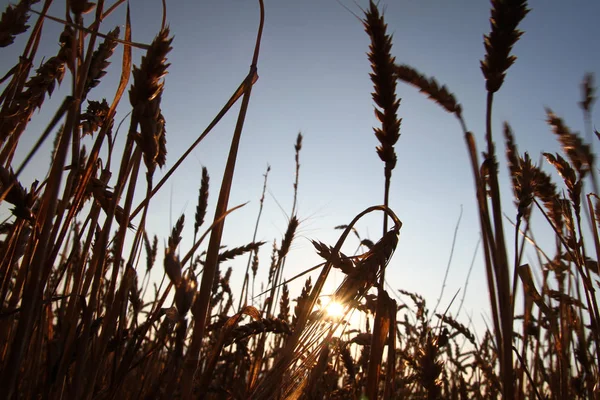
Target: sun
(335,310)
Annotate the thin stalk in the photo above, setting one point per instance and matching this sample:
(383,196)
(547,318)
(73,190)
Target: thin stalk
(202,303)
(500,264)
(245,284)
(32,293)
(283,257)
(452,247)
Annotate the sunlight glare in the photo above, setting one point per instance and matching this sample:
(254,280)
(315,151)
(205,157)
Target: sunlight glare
(335,310)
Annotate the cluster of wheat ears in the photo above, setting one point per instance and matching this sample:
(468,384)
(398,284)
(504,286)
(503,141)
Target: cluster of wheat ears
(80,317)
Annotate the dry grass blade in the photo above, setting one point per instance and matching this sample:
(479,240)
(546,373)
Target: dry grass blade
(564,298)
(125,65)
(430,87)
(597,211)
(202,304)
(380,333)
(524,272)
(505,17)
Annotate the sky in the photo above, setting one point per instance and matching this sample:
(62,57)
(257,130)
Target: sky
(313,78)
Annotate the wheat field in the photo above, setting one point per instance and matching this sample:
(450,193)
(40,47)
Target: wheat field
(81,316)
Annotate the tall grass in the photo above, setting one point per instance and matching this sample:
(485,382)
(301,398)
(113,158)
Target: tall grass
(78,319)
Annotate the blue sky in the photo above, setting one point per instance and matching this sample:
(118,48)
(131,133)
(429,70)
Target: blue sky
(314,79)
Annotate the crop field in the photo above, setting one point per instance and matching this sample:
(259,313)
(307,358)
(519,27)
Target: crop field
(82,315)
